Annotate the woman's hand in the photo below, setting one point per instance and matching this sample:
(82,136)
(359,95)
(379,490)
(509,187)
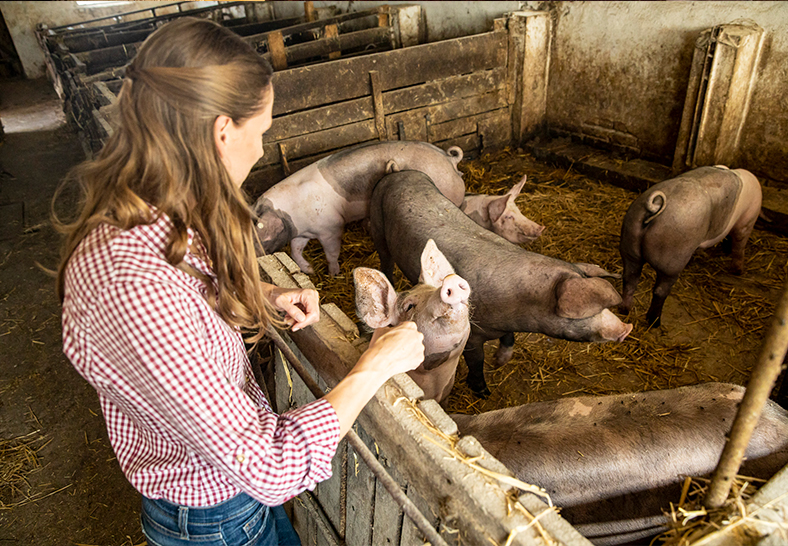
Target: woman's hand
(395,350)
(300,305)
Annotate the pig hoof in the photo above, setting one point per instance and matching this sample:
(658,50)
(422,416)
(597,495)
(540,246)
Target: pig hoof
(654,322)
(502,356)
(480,390)
(334,270)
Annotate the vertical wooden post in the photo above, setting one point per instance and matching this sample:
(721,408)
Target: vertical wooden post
(377,102)
(332,31)
(276,47)
(309,12)
(530,36)
(283,155)
(762,379)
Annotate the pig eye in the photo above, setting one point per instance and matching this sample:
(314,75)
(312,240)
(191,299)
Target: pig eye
(409,306)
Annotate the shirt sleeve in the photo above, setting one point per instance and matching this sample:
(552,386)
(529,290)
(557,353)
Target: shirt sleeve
(155,336)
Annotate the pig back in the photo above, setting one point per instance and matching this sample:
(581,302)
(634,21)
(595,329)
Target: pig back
(353,172)
(511,289)
(588,449)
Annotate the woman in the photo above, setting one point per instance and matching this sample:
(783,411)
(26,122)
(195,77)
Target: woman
(159,281)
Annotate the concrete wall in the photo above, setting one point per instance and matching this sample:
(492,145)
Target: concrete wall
(621,69)
(23,17)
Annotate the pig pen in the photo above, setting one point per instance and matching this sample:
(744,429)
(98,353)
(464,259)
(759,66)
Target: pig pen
(713,324)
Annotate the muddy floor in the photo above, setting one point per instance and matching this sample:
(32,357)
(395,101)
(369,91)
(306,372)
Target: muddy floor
(59,482)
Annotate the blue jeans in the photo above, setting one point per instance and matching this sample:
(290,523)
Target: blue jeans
(239,521)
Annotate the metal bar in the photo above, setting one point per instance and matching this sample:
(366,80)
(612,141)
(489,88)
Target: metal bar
(762,379)
(374,465)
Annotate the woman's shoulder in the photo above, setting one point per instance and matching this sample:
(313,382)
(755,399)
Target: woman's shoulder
(109,254)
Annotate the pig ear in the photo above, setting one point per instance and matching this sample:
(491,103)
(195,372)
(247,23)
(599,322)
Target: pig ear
(517,188)
(579,298)
(497,206)
(434,265)
(376,299)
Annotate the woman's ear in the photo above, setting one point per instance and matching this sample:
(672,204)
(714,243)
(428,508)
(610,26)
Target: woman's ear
(221,134)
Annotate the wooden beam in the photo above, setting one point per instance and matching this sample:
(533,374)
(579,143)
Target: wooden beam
(276,47)
(332,34)
(377,101)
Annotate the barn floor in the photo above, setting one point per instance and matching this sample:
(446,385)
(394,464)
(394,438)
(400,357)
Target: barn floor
(59,482)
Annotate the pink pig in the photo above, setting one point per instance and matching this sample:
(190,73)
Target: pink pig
(500,215)
(439,307)
(317,201)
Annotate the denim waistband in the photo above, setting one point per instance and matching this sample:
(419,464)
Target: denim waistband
(217,513)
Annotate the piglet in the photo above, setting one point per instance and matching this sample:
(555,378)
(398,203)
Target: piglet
(613,463)
(512,290)
(439,307)
(668,222)
(500,215)
(317,201)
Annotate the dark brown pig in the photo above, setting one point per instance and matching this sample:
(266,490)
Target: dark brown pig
(439,307)
(668,222)
(512,290)
(500,215)
(317,201)
(613,463)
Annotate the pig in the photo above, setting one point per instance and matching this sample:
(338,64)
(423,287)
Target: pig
(500,215)
(613,463)
(512,289)
(668,222)
(317,201)
(439,307)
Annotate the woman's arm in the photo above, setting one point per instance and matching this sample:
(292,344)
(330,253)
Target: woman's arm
(391,351)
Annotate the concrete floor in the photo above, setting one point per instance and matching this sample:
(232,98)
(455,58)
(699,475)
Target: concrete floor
(73,492)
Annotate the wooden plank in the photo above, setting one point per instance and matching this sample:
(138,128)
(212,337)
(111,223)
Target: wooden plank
(495,128)
(332,493)
(276,50)
(332,34)
(325,117)
(414,120)
(377,101)
(467,125)
(444,90)
(320,141)
(360,496)
(411,536)
(305,87)
(309,11)
(387,527)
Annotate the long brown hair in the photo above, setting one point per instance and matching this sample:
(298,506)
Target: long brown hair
(163,153)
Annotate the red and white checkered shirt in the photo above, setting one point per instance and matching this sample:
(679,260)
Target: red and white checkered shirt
(185,416)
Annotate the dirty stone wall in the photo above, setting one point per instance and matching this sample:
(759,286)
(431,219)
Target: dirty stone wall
(619,72)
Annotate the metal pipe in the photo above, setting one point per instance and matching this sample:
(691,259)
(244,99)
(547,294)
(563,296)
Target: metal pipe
(762,379)
(366,455)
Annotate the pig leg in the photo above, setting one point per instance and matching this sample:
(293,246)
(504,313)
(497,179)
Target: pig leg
(297,246)
(331,245)
(505,349)
(662,288)
(739,238)
(474,359)
(632,270)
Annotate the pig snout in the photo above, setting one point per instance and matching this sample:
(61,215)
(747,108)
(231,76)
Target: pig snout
(455,290)
(608,327)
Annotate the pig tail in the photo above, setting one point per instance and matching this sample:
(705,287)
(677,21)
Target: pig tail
(655,204)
